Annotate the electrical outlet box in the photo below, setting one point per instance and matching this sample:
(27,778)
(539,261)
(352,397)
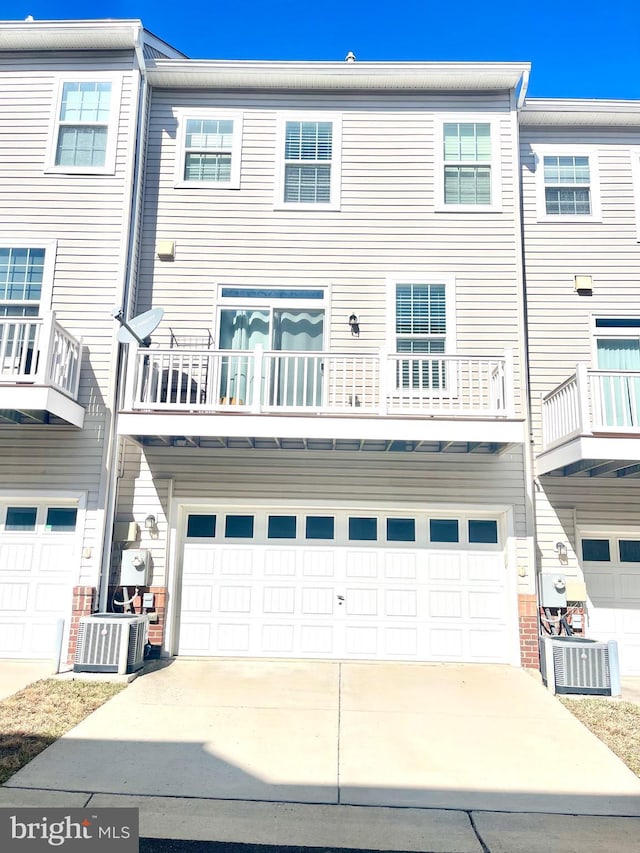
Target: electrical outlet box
(126,531)
(148,599)
(135,568)
(553,590)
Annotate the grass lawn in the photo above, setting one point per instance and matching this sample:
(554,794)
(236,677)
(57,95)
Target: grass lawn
(32,719)
(616,723)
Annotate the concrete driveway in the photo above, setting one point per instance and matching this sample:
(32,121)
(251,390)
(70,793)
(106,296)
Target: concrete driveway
(370,734)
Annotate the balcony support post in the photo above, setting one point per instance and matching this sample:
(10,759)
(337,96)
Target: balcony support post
(44,349)
(507,378)
(256,385)
(133,393)
(582,383)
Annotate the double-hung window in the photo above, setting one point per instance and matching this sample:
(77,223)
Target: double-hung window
(84,138)
(567,184)
(567,189)
(468,171)
(422,330)
(210,150)
(310,162)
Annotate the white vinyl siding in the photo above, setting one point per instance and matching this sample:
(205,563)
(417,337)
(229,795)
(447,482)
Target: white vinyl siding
(467,164)
(310,162)
(83,140)
(210,153)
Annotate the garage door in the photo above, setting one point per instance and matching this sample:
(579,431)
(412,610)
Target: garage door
(339,585)
(611,568)
(38,568)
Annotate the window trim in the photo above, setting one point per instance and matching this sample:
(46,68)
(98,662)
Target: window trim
(50,248)
(109,167)
(335,162)
(495,163)
(567,150)
(208,114)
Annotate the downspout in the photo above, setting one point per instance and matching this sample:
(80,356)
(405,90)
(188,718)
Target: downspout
(134,199)
(529,459)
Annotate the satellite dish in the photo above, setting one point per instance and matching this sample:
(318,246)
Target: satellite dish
(139,328)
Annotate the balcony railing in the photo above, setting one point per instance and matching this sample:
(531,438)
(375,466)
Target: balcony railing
(256,381)
(592,401)
(38,351)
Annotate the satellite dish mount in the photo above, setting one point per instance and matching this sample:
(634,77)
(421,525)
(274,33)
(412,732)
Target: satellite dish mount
(139,328)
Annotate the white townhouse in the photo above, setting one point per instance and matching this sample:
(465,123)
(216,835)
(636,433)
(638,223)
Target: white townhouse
(72,104)
(581,221)
(326,444)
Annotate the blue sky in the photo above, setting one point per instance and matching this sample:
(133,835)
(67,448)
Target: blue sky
(578,49)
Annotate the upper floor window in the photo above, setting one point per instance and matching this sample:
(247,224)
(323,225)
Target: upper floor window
(567,183)
(567,189)
(468,168)
(84,135)
(23,277)
(423,315)
(210,150)
(310,164)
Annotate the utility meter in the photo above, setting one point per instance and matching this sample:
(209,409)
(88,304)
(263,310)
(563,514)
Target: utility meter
(135,567)
(553,590)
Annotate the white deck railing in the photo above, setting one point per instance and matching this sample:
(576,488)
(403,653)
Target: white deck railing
(181,380)
(591,401)
(38,351)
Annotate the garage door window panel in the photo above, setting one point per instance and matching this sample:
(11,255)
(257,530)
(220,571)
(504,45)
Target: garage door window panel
(282,527)
(201,526)
(61,520)
(363,529)
(629,550)
(596,550)
(401,530)
(21,519)
(320,527)
(444,530)
(483,532)
(239,527)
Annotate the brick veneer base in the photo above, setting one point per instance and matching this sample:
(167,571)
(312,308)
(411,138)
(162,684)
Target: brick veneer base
(528,624)
(83,602)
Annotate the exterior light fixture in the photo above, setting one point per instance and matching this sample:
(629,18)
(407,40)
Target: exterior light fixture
(150,522)
(561,548)
(354,325)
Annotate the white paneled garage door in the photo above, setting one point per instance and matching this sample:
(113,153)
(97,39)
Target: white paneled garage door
(611,566)
(38,569)
(340,585)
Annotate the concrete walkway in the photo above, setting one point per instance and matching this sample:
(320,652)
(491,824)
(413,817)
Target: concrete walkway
(17,674)
(331,754)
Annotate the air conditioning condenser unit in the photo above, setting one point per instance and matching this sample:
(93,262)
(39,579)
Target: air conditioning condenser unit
(580,665)
(111,642)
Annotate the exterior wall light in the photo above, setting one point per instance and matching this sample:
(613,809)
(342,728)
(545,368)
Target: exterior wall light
(354,325)
(150,522)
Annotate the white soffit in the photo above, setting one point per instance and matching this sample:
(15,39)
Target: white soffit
(218,74)
(580,113)
(68,35)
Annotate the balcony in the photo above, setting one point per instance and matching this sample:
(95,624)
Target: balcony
(315,399)
(591,423)
(39,372)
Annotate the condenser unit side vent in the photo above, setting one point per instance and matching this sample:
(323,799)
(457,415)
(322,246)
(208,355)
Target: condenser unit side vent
(110,642)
